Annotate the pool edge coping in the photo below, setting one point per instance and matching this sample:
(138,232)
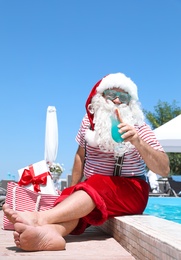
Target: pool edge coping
(146,236)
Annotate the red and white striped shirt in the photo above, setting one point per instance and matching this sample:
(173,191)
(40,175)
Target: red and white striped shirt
(98,162)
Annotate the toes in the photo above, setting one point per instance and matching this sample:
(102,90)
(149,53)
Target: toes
(5,206)
(20,227)
(16,238)
(17,243)
(7,210)
(10,213)
(16,235)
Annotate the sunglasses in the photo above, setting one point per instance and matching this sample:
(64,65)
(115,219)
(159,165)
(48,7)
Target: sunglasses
(112,94)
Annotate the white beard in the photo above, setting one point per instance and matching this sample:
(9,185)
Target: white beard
(101,136)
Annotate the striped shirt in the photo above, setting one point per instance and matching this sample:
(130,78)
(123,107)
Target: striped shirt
(99,162)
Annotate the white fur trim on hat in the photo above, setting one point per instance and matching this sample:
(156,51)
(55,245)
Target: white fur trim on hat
(118,80)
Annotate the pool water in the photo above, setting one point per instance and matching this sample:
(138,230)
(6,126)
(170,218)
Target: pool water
(165,207)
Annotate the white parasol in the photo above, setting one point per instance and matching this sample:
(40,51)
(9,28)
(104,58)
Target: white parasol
(51,136)
(169,135)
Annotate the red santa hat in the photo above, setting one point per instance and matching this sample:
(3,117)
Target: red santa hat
(116,80)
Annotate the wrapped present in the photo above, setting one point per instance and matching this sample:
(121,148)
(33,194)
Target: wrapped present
(37,177)
(22,199)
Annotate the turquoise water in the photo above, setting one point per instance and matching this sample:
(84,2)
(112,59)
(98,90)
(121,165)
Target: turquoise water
(165,207)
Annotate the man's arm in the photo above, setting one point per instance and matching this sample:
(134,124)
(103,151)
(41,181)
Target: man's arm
(155,160)
(77,171)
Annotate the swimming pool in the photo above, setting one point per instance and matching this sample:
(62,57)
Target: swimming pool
(165,207)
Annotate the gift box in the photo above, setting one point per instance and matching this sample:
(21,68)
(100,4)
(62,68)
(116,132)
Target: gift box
(36,177)
(22,199)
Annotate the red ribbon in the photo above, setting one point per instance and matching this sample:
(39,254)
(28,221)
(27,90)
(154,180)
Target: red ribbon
(28,177)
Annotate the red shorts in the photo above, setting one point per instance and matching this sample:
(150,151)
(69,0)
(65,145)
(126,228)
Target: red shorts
(113,196)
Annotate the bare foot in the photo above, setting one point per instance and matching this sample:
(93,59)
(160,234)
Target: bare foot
(26,217)
(40,238)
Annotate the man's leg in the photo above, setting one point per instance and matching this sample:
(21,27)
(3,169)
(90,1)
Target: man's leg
(75,206)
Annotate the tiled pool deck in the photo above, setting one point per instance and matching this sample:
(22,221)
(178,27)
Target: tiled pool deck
(139,237)
(94,244)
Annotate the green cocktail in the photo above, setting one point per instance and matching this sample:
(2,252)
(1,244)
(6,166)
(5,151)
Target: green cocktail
(116,136)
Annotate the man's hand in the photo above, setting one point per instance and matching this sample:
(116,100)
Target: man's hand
(130,133)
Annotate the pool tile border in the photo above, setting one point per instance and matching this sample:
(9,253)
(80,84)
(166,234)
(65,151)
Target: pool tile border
(146,237)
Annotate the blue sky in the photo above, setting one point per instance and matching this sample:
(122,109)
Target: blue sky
(52,52)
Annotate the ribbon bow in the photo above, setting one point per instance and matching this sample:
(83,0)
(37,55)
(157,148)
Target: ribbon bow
(28,177)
